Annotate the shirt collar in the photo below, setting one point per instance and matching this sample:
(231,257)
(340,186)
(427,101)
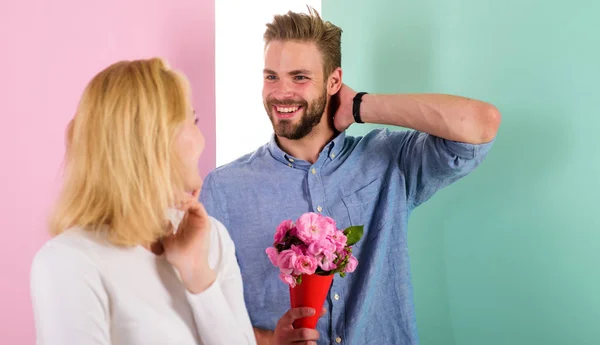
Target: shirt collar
(332,150)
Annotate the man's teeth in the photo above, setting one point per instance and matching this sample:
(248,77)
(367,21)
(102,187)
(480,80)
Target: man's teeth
(287,110)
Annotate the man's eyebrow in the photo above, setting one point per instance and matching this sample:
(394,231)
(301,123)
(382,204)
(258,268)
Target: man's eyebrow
(299,71)
(294,72)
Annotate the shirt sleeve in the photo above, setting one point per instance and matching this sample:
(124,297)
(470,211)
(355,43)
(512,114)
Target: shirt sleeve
(220,311)
(430,163)
(70,304)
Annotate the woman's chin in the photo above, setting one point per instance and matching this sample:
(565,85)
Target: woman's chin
(193,186)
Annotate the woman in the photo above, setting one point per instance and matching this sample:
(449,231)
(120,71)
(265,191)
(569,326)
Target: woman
(135,258)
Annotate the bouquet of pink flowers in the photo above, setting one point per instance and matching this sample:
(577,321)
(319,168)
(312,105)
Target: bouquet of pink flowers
(313,245)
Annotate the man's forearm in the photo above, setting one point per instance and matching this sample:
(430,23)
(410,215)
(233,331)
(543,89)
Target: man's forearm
(263,336)
(446,116)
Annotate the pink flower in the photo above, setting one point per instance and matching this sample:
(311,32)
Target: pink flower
(288,279)
(272,254)
(327,261)
(297,249)
(313,227)
(311,243)
(282,230)
(287,260)
(351,265)
(306,264)
(326,244)
(332,226)
(340,240)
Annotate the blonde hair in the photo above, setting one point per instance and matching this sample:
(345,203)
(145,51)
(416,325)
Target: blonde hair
(120,171)
(309,27)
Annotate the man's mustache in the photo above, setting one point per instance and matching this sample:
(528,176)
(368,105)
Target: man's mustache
(272,101)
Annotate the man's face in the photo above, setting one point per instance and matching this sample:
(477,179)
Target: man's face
(294,89)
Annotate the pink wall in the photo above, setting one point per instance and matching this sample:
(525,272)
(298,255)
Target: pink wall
(48,52)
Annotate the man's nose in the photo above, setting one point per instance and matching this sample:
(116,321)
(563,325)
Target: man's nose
(285,90)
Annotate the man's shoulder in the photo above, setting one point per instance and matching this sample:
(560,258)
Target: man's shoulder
(377,138)
(248,162)
(369,134)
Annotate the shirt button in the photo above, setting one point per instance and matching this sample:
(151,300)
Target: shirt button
(337,297)
(313,170)
(291,160)
(338,340)
(319,208)
(332,155)
(290,165)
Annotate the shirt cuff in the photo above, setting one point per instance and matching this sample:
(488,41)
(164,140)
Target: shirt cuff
(466,150)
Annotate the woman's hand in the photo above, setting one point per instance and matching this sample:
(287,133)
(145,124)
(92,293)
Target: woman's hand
(187,249)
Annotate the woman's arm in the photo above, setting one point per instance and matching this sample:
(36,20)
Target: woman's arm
(220,311)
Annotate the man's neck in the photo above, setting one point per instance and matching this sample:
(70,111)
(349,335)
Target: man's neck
(309,147)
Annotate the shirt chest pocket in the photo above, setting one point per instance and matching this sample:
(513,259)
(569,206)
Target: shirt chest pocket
(361,205)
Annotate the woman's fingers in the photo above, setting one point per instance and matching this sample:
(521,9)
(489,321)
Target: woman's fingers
(198,209)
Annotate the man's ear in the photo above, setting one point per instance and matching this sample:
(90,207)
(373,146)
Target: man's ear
(334,82)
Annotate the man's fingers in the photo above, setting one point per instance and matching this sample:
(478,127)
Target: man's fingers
(305,335)
(323,312)
(294,314)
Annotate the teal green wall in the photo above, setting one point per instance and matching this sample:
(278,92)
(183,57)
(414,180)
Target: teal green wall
(509,255)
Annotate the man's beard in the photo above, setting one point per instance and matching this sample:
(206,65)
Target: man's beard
(313,113)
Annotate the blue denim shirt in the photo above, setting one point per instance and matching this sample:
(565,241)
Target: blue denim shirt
(375,181)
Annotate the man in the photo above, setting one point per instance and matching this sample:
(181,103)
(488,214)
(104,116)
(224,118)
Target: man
(312,165)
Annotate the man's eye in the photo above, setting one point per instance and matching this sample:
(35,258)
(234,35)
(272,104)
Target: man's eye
(270,77)
(301,78)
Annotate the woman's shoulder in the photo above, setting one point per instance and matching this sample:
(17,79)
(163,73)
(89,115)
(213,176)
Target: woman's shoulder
(64,258)
(74,246)
(63,274)
(77,239)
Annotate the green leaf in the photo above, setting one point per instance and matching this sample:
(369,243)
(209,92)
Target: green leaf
(354,234)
